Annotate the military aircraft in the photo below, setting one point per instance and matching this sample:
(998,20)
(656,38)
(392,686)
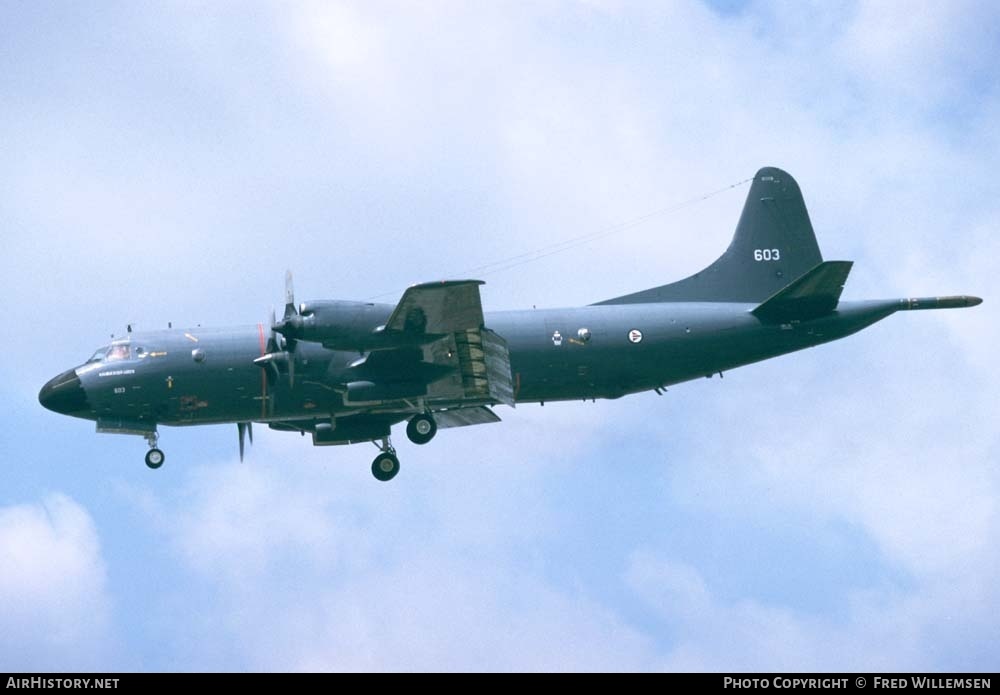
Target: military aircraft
(345,372)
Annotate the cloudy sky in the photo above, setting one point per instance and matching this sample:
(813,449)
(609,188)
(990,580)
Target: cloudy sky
(833,509)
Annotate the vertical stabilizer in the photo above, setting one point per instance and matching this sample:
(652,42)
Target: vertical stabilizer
(774,244)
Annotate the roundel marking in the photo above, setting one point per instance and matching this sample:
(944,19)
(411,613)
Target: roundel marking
(635,336)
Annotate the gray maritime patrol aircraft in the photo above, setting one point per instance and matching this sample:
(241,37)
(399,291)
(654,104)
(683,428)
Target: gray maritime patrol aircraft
(346,372)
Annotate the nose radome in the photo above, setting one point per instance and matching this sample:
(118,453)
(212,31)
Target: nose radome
(64,394)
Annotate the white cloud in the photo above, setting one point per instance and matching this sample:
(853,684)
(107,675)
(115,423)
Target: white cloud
(438,611)
(883,630)
(56,609)
(909,49)
(314,571)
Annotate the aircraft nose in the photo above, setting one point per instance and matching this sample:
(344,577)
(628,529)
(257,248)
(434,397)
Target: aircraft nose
(64,394)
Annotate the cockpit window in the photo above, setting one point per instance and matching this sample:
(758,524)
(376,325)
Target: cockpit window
(110,353)
(116,353)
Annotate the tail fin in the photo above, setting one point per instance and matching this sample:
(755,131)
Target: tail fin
(774,244)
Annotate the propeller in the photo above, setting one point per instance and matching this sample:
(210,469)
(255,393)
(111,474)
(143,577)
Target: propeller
(281,346)
(285,331)
(244,429)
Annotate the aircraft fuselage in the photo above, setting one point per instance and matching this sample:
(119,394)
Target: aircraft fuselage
(207,375)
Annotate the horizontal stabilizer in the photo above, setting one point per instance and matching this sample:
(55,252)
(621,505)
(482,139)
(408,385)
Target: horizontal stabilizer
(812,295)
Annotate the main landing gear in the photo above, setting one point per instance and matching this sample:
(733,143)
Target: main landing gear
(421,429)
(154,457)
(386,465)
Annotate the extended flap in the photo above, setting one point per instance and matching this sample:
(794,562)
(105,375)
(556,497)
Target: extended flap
(463,417)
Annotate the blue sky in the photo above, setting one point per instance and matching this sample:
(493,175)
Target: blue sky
(833,509)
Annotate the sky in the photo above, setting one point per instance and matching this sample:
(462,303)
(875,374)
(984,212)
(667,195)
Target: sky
(834,509)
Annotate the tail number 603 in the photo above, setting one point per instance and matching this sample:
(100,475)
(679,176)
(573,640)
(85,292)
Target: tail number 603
(766,254)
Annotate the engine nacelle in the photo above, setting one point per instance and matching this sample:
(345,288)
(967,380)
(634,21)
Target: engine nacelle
(337,325)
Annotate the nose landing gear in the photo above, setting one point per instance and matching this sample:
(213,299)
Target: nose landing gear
(154,457)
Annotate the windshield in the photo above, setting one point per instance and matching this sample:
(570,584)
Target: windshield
(110,353)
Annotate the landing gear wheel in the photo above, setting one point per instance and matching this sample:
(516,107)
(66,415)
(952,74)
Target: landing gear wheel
(421,428)
(154,458)
(385,466)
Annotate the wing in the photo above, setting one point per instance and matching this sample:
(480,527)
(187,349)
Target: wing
(437,308)
(433,353)
(435,349)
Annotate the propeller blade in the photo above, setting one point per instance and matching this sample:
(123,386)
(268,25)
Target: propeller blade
(273,339)
(241,427)
(250,432)
(289,296)
(281,346)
